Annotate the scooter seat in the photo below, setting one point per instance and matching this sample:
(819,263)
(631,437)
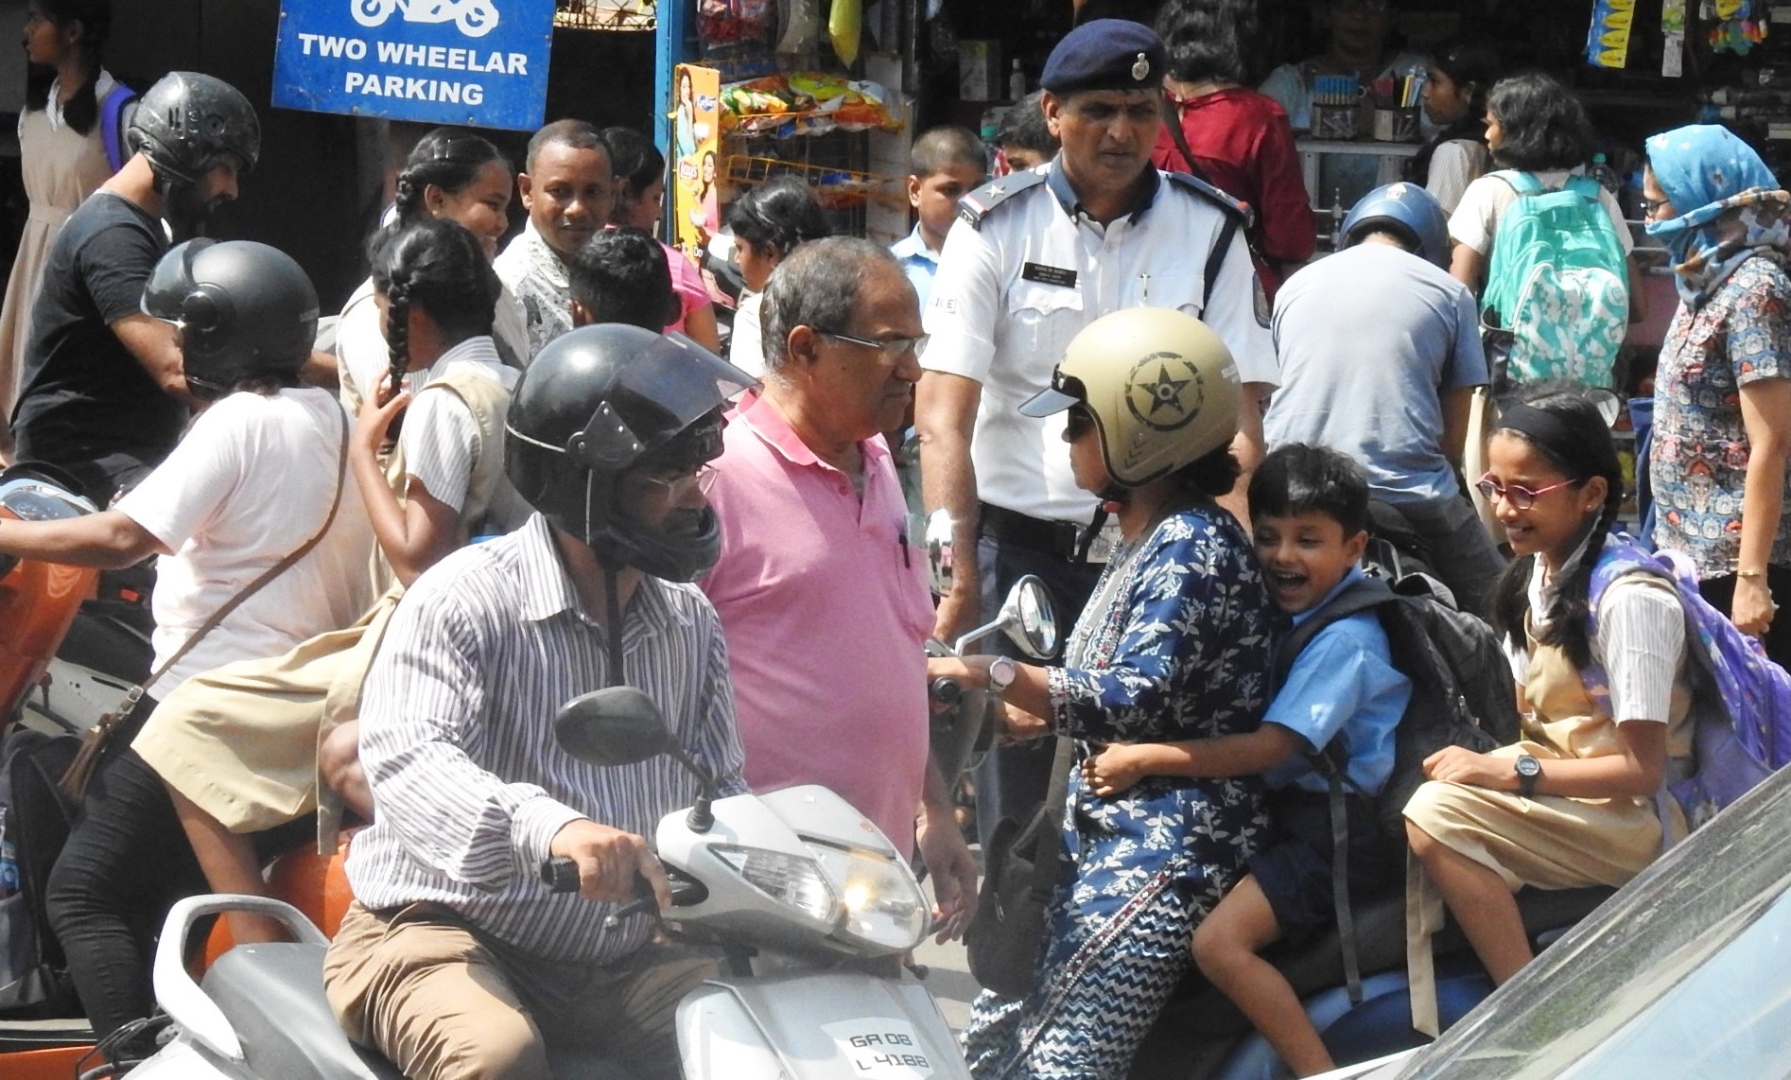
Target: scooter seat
(272,994)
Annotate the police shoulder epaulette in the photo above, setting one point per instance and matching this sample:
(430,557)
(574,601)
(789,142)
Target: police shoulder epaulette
(1212,194)
(975,206)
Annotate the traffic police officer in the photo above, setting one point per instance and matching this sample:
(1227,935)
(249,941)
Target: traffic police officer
(1034,258)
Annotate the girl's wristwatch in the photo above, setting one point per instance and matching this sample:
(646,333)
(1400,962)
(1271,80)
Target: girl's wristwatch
(1001,674)
(1529,770)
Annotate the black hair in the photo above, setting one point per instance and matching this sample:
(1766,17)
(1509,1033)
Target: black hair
(1544,126)
(781,213)
(1022,125)
(940,148)
(1469,62)
(1209,476)
(447,157)
(1578,444)
(1302,478)
(577,134)
(634,161)
(1209,39)
(80,111)
(621,276)
(440,266)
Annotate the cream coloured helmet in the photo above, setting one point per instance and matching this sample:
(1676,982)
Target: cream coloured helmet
(1161,386)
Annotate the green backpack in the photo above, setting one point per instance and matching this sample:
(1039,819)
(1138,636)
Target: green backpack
(1557,293)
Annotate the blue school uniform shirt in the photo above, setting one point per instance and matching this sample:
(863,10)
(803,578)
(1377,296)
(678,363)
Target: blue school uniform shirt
(1342,685)
(917,262)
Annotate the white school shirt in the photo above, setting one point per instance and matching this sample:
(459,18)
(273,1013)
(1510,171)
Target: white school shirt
(252,481)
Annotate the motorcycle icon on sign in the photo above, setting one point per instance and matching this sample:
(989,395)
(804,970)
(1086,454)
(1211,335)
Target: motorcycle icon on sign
(475,18)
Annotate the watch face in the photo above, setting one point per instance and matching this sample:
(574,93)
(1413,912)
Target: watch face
(1528,766)
(1001,673)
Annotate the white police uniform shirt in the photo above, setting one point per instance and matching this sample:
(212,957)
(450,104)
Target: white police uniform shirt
(1023,271)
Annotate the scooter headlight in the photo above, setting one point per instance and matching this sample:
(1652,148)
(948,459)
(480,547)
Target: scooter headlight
(788,879)
(883,903)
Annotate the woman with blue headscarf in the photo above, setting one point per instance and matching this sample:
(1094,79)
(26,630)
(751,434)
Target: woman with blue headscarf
(1722,397)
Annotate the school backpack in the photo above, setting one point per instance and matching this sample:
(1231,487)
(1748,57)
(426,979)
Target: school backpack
(1461,696)
(1556,304)
(34,824)
(1741,720)
(114,121)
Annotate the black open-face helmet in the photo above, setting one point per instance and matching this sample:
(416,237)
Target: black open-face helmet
(245,310)
(187,122)
(601,401)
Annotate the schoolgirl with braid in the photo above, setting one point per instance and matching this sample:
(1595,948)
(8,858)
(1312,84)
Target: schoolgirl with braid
(435,479)
(451,175)
(428,486)
(1600,673)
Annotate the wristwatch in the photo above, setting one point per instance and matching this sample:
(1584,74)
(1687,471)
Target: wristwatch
(1001,674)
(1529,770)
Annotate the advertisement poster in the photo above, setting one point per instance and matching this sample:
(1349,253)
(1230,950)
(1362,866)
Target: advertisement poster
(475,62)
(696,141)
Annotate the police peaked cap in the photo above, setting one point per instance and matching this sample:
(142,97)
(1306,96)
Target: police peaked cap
(1106,54)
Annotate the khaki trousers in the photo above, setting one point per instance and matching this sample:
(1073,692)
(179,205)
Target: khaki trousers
(444,1002)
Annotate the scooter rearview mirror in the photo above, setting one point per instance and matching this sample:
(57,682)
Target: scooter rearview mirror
(938,538)
(1030,619)
(621,725)
(618,725)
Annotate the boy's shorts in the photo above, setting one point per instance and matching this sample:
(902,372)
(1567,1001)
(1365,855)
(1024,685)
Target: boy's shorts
(1295,870)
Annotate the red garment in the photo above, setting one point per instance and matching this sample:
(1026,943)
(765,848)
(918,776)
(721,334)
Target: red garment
(1245,145)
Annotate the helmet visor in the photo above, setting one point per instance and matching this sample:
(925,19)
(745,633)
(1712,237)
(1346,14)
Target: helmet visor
(681,378)
(1063,393)
(171,281)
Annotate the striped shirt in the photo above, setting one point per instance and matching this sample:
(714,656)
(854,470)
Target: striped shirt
(457,739)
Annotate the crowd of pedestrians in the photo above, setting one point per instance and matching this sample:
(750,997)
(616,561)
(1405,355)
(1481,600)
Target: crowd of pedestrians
(535,477)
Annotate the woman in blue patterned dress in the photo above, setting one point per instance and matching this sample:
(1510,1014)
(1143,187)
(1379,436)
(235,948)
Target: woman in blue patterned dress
(1173,645)
(1722,409)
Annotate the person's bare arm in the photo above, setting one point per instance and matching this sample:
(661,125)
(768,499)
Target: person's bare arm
(1247,447)
(1118,766)
(700,326)
(1468,267)
(1766,417)
(1457,405)
(320,370)
(945,417)
(108,540)
(416,534)
(156,346)
(1634,773)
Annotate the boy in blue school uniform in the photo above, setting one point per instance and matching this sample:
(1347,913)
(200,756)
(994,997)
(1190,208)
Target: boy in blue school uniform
(1309,508)
(944,165)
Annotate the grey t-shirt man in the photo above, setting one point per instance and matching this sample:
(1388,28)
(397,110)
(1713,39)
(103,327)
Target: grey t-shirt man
(1370,342)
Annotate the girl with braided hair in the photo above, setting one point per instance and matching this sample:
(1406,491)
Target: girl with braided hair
(289,722)
(1601,682)
(452,175)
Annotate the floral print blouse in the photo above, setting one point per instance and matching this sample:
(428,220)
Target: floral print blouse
(1698,465)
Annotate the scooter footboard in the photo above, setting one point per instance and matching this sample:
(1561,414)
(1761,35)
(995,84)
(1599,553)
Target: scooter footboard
(812,1026)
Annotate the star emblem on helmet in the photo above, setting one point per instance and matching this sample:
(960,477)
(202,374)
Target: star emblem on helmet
(1164,391)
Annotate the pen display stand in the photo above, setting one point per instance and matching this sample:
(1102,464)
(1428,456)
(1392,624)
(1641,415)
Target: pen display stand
(1333,121)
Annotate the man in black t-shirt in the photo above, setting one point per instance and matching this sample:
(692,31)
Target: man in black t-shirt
(103,394)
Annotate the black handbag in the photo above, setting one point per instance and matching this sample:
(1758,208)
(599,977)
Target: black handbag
(1020,871)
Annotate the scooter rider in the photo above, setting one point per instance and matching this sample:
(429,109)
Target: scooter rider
(454,960)
(102,393)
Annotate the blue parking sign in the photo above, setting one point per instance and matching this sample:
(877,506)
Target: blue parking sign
(477,62)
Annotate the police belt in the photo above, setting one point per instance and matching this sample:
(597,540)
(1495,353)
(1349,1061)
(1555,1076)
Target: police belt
(1058,538)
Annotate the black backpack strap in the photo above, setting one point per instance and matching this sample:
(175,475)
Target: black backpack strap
(1044,869)
(1365,595)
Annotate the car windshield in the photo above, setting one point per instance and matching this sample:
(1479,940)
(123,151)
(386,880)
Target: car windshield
(1686,973)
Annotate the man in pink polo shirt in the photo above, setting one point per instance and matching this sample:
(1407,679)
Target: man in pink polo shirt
(823,597)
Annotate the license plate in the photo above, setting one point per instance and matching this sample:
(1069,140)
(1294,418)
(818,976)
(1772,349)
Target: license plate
(881,1049)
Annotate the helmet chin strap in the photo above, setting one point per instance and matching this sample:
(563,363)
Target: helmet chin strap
(612,632)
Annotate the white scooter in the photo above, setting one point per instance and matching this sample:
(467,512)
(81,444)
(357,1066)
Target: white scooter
(810,904)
